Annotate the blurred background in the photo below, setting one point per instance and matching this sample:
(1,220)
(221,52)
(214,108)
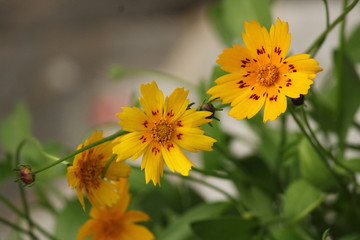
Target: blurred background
(56,56)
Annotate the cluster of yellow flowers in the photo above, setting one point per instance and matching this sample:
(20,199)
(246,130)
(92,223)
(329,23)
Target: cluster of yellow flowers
(259,74)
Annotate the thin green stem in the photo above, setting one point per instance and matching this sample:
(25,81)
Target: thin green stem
(106,139)
(22,191)
(208,173)
(283,139)
(314,48)
(315,146)
(13,208)
(327,13)
(108,164)
(225,153)
(16,227)
(227,195)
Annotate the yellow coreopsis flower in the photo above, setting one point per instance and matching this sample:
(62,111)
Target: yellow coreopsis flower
(158,132)
(260,73)
(87,173)
(115,223)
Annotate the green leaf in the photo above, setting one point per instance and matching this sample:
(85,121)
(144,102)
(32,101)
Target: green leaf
(353,164)
(15,127)
(6,169)
(313,169)
(351,237)
(229,228)
(287,233)
(180,229)
(69,220)
(352,46)
(228,17)
(349,100)
(300,199)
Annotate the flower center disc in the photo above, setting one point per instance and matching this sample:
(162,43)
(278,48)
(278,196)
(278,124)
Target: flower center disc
(162,131)
(267,75)
(90,171)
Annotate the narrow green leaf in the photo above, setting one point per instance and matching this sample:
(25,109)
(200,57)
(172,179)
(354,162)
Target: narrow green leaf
(352,46)
(353,164)
(15,127)
(229,228)
(313,169)
(349,100)
(180,228)
(300,199)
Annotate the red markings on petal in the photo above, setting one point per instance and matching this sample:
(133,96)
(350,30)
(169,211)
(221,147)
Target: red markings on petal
(273,98)
(169,146)
(179,136)
(155,150)
(145,123)
(254,96)
(143,139)
(178,123)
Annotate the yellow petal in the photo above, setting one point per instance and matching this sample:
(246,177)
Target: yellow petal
(152,100)
(175,159)
(294,84)
(153,164)
(275,104)
(280,39)
(237,60)
(176,104)
(231,86)
(301,63)
(194,118)
(104,194)
(71,178)
(80,197)
(135,216)
(117,170)
(133,119)
(135,232)
(193,139)
(257,40)
(250,104)
(86,230)
(131,145)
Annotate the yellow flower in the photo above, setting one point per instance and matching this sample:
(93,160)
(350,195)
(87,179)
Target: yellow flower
(261,74)
(158,132)
(86,174)
(114,223)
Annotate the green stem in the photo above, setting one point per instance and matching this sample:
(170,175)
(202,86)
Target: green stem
(327,13)
(22,192)
(16,227)
(106,139)
(13,208)
(108,164)
(225,153)
(314,48)
(208,173)
(283,139)
(316,147)
(227,195)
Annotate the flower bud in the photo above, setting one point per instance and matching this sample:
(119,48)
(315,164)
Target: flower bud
(298,101)
(26,175)
(210,108)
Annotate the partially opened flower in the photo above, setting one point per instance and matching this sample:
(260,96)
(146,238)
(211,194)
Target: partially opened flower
(260,74)
(92,174)
(158,132)
(115,222)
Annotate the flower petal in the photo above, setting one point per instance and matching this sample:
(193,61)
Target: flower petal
(231,86)
(294,84)
(117,170)
(237,59)
(86,230)
(300,63)
(193,139)
(176,104)
(280,39)
(133,119)
(175,159)
(152,100)
(135,216)
(104,194)
(153,163)
(131,145)
(193,118)
(248,104)
(135,232)
(275,104)
(257,40)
